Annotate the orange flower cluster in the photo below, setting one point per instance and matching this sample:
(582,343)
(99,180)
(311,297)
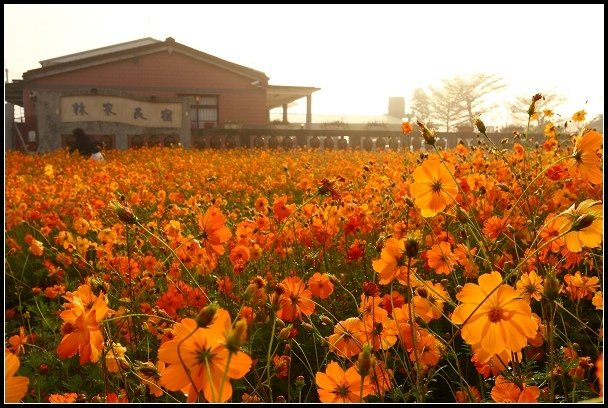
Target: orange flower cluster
(81,328)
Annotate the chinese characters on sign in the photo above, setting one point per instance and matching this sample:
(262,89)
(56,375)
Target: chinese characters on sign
(166,115)
(107,109)
(79,108)
(137,112)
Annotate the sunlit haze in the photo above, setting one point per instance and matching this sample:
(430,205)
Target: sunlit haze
(359,55)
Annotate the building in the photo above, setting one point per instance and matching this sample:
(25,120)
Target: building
(144,92)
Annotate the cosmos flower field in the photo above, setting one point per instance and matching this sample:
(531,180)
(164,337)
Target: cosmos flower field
(473,274)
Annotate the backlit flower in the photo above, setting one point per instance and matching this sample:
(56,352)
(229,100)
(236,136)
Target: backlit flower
(579,116)
(585,161)
(392,262)
(197,360)
(15,387)
(472,394)
(81,327)
(406,127)
(433,188)
(441,258)
(530,285)
(598,300)
(214,231)
(296,300)
(506,391)
(66,398)
(320,285)
(337,385)
(498,321)
(581,287)
(582,225)
(347,340)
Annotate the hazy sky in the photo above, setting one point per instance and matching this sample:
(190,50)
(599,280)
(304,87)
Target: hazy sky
(359,55)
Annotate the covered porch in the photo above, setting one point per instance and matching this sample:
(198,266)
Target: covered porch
(281,96)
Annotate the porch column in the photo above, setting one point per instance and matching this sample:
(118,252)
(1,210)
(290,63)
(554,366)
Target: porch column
(284,113)
(308,110)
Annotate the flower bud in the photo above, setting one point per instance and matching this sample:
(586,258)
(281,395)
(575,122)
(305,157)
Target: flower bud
(412,246)
(326,320)
(237,337)
(532,107)
(309,327)
(206,315)
(429,135)
(481,127)
(503,187)
(582,222)
(123,212)
(365,362)
(285,333)
(551,287)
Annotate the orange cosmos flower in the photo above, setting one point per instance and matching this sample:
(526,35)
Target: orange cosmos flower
(406,127)
(585,160)
(82,333)
(320,285)
(441,258)
(472,394)
(506,391)
(549,130)
(380,333)
(434,187)
(296,300)
(115,358)
(428,349)
(498,321)
(281,365)
(493,226)
(530,285)
(198,360)
(435,295)
(598,300)
(393,262)
(583,225)
(550,231)
(337,385)
(261,205)
(214,231)
(381,378)
(581,287)
(17,342)
(579,116)
(347,339)
(15,387)
(63,398)
(281,209)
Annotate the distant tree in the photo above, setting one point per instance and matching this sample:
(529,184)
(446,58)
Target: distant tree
(458,100)
(421,106)
(445,107)
(470,92)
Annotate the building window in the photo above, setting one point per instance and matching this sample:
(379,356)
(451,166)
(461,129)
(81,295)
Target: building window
(204,113)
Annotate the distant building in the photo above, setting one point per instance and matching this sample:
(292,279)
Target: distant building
(142,92)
